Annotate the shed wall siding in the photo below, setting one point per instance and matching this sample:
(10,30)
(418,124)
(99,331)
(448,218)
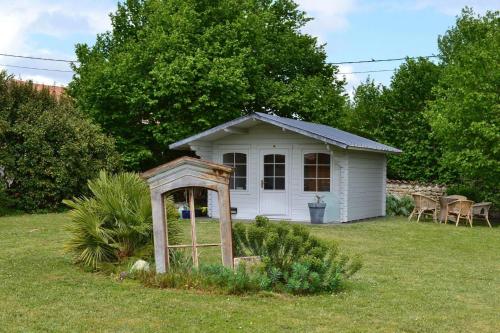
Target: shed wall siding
(264,137)
(365,183)
(358,178)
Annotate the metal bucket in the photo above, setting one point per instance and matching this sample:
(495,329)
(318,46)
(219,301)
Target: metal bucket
(317,212)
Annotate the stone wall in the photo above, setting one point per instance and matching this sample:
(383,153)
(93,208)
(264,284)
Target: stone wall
(401,188)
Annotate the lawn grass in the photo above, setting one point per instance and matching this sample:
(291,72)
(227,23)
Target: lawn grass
(416,278)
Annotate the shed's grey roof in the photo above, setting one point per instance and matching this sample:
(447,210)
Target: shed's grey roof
(320,132)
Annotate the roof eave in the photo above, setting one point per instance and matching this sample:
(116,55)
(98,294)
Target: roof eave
(178,145)
(395,151)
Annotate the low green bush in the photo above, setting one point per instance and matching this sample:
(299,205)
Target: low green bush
(292,259)
(399,206)
(115,222)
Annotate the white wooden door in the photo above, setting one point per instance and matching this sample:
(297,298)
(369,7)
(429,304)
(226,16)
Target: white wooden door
(274,187)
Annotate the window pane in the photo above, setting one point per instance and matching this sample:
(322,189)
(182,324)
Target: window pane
(231,183)
(323,185)
(268,170)
(279,158)
(279,183)
(310,185)
(279,170)
(323,171)
(269,158)
(240,158)
(310,158)
(228,158)
(240,170)
(324,159)
(309,171)
(268,183)
(240,183)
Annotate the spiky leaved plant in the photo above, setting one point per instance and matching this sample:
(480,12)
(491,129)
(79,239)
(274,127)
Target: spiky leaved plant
(115,221)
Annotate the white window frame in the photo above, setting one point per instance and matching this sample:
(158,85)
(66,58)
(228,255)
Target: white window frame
(315,151)
(237,151)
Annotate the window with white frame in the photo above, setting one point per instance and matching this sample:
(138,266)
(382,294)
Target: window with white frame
(317,172)
(237,161)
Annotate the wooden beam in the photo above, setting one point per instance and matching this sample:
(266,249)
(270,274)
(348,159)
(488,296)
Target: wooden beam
(183,246)
(193,226)
(225,226)
(159,232)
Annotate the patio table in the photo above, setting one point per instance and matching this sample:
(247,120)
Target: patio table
(443,203)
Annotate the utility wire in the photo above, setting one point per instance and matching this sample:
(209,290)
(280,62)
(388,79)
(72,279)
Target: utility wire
(379,60)
(69,71)
(37,58)
(332,63)
(38,69)
(363,72)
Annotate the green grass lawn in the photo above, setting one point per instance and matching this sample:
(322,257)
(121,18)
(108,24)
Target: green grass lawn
(416,278)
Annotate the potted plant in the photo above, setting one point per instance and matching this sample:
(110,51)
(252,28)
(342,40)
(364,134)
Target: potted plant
(317,210)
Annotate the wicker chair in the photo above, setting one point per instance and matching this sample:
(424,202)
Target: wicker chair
(444,201)
(424,204)
(459,209)
(481,209)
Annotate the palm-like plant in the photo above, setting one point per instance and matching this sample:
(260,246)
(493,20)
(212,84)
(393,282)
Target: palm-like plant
(116,221)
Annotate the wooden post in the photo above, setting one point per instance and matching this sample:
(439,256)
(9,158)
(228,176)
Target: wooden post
(193,227)
(225,225)
(159,232)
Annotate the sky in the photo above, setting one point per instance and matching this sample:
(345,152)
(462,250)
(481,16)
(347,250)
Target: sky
(351,30)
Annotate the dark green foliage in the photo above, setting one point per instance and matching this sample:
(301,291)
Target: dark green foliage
(6,201)
(48,149)
(398,206)
(395,115)
(293,260)
(465,116)
(116,221)
(170,69)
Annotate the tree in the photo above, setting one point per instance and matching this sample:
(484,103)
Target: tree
(405,124)
(395,115)
(48,149)
(170,68)
(465,116)
(366,114)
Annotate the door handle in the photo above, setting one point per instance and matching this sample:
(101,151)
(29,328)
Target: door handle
(262,183)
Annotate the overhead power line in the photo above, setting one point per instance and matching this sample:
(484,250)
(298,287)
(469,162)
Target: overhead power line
(37,58)
(332,63)
(38,69)
(69,71)
(363,72)
(379,60)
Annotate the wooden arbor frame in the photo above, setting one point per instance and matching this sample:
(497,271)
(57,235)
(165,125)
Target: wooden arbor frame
(188,172)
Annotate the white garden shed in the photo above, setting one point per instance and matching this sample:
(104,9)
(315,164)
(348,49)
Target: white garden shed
(280,164)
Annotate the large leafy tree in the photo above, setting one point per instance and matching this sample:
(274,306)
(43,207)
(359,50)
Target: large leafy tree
(465,116)
(366,114)
(395,115)
(172,68)
(48,149)
(405,124)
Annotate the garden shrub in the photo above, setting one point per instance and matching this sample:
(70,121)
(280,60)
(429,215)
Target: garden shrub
(48,149)
(6,202)
(292,259)
(115,222)
(398,206)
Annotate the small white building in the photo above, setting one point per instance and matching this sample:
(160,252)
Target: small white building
(280,164)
